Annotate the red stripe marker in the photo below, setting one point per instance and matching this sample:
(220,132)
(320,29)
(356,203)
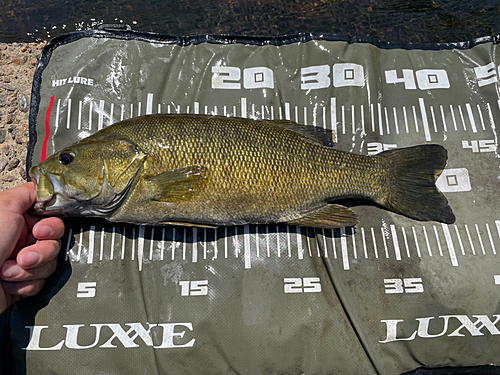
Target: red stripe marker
(47,130)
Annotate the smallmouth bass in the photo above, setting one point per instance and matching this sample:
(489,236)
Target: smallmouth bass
(214,170)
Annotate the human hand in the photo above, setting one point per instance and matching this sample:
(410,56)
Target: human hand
(28,245)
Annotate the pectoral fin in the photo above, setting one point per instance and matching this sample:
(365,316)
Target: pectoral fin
(328,216)
(177,185)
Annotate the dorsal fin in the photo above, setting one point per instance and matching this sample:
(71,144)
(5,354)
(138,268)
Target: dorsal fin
(315,134)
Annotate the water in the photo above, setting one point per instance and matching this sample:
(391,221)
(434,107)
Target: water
(420,21)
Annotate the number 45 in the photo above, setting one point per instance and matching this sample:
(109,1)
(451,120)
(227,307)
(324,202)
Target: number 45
(484,145)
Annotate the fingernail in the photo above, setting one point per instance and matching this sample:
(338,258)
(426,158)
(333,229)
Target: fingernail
(43,231)
(11,271)
(30,259)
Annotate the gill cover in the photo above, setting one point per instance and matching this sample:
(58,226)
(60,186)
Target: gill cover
(123,160)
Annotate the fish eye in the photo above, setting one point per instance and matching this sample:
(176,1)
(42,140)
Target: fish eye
(66,158)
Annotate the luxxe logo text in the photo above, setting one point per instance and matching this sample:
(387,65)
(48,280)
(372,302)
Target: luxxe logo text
(111,335)
(444,325)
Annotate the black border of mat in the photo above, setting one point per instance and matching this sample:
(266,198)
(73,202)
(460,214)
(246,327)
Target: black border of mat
(124,32)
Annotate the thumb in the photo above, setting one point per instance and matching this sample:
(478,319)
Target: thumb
(19,199)
(13,205)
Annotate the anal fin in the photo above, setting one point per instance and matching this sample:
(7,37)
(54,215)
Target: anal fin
(185,224)
(328,217)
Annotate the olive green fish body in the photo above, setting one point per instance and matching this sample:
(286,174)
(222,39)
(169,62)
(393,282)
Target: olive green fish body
(225,171)
(255,171)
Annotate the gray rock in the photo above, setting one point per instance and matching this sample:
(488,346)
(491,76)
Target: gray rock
(22,102)
(3,134)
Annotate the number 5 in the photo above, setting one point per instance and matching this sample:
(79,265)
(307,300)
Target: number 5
(86,290)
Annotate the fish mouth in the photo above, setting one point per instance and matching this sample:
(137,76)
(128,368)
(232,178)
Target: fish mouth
(40,206)
(46,194)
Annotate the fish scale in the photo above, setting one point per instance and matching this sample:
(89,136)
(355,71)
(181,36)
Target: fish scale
(195,169)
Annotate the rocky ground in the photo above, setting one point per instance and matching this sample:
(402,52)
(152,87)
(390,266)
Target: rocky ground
(18,62)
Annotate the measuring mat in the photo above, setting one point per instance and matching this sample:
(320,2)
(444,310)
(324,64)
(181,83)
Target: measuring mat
(388,296)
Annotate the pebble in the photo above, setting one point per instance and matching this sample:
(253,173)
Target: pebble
(13,163)
(19,138)
(24,48)
(3,164)
(23,102)
(19,60)
(22,172)
(7,179)
(3,134)
(5,149)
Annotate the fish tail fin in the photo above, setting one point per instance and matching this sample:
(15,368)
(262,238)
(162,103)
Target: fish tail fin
(411,189)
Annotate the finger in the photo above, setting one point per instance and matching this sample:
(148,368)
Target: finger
(11,271)
(41,252)
(49,228)
(18,199)
(25,238)
(31,220)
(23,288)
